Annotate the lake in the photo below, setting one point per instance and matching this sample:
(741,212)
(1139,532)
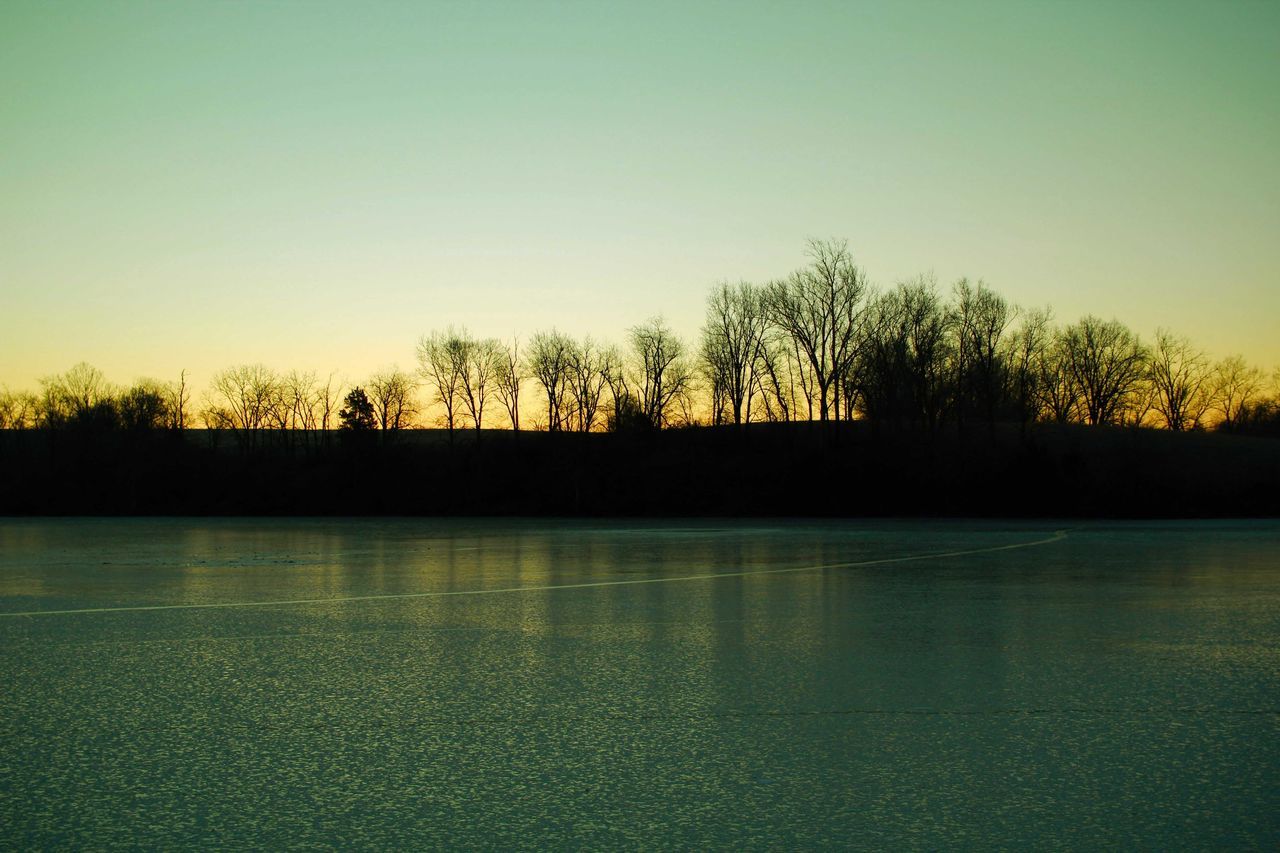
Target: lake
(603,684)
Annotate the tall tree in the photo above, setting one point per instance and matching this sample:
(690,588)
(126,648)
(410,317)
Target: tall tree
(391,393)
(734,338)
(1107,364)
(981,318)
(179,397)
(509,375)
(1059,397)
(145,406)
(81,395)
(1235,385)
(357,412)
(550,358)
(243,398)
(18,409)
(442,362)
(662,370)
(905,364)
(479,365)
(819,308)
(588,377)
(1027,350)
(1179,376)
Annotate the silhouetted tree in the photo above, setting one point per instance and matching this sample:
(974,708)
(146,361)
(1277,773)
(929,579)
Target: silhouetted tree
(479,365)
(442,362)
(17,409)
(662,370)
(82,395)
(777,379)
(1179,376)
(1260,415)
(295,401)
(818,308)
(1058,393)
(589,368)
(1234,385)
(906,363)
(550,360)
(244,398)
(327,397)
(614,370)
(357,412)
(509,374)
(627,415)
(179,398)
(734,338)
(391,393)
(145,406)
(1107,364)
(980,319)
(1028,350)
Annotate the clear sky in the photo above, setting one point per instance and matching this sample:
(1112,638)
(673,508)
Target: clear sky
(316,185)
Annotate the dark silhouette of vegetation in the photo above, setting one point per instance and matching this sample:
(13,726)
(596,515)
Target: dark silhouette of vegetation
(840,469)
(836,397)
(357,412)
(663,373)
(391,395)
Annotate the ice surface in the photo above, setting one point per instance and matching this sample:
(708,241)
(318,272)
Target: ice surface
(1116,687)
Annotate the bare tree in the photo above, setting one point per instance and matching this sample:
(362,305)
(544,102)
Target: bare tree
(1179,375)
(145,405)
(906,355)
(1056,389)
(1028,348)
(777,380)
(1107,364)
(81,394)
(509,375)
(734,338)
(244,398)
(928,347)
(280,410)
(479,365)
(662,370)
(1139,407)
(623,402)
(179,398)
(981,318)
(391,393)
(17,409)
(307,407)
(215,417)
(1234,386)
(327,398)
(589,369)
(297,401)
(442,361)
(819,307)
(550,355)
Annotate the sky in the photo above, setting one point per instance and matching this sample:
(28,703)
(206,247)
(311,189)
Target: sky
(316,185)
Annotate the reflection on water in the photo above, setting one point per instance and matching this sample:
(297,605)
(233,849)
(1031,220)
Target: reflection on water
(1117,687)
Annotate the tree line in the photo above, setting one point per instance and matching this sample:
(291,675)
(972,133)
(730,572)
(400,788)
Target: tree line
(821,344)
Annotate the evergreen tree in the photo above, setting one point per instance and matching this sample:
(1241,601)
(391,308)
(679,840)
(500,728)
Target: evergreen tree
(357,411)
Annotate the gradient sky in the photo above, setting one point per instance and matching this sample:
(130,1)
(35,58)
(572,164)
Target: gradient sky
(316,185)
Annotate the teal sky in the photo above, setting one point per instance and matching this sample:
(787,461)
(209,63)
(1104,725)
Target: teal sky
(316,185)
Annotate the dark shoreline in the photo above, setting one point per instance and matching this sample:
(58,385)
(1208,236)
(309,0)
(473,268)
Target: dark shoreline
(767,470)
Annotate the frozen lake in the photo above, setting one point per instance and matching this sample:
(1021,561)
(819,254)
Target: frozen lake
(429,683)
